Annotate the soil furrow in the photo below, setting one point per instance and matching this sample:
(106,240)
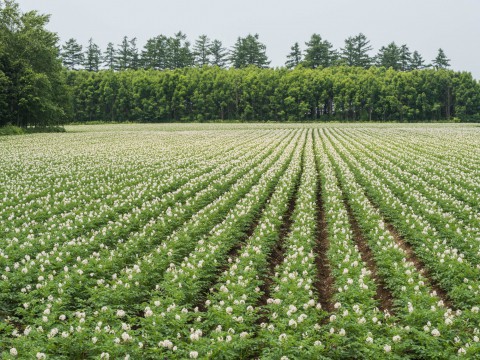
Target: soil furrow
(409,250)
(235,250)
(277,253)
(325,281)
(383,294)
(419,265)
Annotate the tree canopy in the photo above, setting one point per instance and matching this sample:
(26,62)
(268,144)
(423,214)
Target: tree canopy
(218,54)
(356,51)
(169,79)
(72,54)
(257,94)
(295,57)
(319,53)
(441,61)
(201,51)
(93,56)
(249,51)
(164,52)
(32,87)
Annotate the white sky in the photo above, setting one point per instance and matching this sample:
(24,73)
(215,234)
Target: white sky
(424,25)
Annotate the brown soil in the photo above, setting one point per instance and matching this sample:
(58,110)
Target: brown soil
(325,281)
(383,294)
(235,250)
(419,265)
(277,254)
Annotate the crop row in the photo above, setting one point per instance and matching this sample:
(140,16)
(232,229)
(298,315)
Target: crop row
(319,242)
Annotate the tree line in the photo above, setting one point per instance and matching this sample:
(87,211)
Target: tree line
(162,52)
(44,84)
(261,94)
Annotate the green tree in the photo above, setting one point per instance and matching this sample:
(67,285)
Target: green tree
(467,96)
(201,51)
(127,55)
(72,54)
(218,54)
(294,58)
(405,58)
(441,61)
(319,53)
(179,53)
(109,56)
(154,53)
(251,93)
(249,51)
(4,97)
(93,56)
(390,56)
(122,55)
(417,62)
(33,91)
(355,52)
(134,56)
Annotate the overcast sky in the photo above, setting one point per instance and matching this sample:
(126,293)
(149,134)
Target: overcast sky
(424,25)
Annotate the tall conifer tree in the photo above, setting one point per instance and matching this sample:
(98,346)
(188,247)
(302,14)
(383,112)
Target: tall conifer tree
(218,54)
(294,58)
(356,51)
(72,54)
(319,53)
(109,56)
(441,61)
(249,51)
(390,56)
(417,61)
(201,51)
(93,56)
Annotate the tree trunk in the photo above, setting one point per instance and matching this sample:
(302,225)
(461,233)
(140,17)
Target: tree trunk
(447,109)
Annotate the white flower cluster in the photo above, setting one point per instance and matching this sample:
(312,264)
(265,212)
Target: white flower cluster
(140,227)
(294,312)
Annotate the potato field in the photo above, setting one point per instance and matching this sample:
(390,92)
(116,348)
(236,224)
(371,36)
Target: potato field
(234,241)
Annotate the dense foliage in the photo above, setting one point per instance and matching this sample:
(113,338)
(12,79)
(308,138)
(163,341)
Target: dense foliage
(32,88)
(170,79)
(163,52)
(241,241)
(333,93)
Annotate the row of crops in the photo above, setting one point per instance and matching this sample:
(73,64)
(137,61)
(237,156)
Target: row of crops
(243,241)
